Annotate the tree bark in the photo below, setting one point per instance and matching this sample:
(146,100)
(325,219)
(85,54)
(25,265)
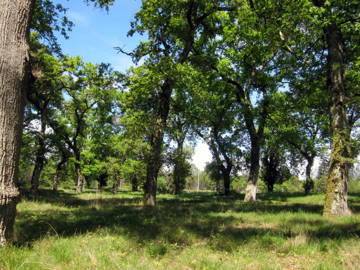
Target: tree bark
(79,178)
(226,179)
(251,188)
(309,183)
(14,60)
(156,143)
(336,189)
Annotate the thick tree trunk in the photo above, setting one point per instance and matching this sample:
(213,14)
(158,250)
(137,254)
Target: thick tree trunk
(251,188)
(152,170)
(14,59)
(309,183)
(156,143)
(336,190)
(226,178)
(153,167)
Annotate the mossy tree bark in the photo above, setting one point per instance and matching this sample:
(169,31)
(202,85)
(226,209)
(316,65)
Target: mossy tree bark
(336,203)
(14,60)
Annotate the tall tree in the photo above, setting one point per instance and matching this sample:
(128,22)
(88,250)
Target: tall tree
(172,27)
(339,21)
(14,60)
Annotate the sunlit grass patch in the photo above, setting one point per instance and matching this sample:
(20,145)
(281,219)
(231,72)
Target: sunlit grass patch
(194,231)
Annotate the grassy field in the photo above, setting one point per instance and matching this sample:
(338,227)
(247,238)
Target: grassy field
(194,231)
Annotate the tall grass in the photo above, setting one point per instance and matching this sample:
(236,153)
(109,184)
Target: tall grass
(193,231)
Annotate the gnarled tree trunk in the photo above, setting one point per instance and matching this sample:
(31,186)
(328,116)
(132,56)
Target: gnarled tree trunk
(336,190)
(14,59)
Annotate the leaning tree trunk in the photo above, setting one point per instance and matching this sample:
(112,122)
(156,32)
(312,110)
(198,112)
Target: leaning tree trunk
(251,188)
(14,59)
(336,190)
(156,142)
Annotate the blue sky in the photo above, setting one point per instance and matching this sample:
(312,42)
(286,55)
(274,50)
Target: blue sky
(97,32)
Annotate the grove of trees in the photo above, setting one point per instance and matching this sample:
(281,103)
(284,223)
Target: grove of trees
(267,85)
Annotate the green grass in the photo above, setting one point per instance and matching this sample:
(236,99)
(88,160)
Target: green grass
(193,231)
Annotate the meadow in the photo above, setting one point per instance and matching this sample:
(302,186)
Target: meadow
(202,230)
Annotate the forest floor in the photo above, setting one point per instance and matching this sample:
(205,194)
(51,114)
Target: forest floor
(194,231)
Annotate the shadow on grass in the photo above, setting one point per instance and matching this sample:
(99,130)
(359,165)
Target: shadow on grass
(183,221)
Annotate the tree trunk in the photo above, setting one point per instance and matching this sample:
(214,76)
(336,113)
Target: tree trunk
(134,183)
(79,178)
(152,170)
(336,190)
(226,178)
(178,169)
(309,183)
(40,157)
(59,168)
(116,185)
(251,188)
(156,142)
(14,59)
(56,181)
(270,187)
